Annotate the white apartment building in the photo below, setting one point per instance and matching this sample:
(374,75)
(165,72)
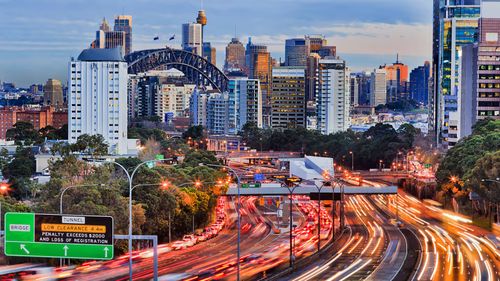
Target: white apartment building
(378,91)
(97,101)
(333,96)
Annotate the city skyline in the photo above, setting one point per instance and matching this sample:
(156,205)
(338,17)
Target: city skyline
(36,47)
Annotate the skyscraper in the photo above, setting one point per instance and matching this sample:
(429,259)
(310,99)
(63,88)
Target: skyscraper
(209,53)
(162,93)
(124,23)
(198,108)
(479,89)
(235,55)
(378,92)
(288,100)
(53,93)
(245,103)
(333,97)
(396,77)
(192,38)
(488,84)
(455,24)
(97,101)
(419,83)
(360,88)
(108,39)
(217,113)
(315,42)
(259,63)
(296,52)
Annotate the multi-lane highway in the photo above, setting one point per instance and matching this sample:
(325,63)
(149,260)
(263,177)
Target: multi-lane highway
(427,243)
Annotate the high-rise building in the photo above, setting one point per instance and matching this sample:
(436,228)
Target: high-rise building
(192,40)
(162,94)
(124,23)
(455,24)
(259,63)
(419,83)
(396,77)
(53,93)
(479,90)
(311,79)
(217,113)
(488,84)
(235,56)
(378,91)
(198,108)
(97,102)
(327,51)
(117,38)
(288,97)
(333,97)
(296,52)
(315,42)
(245,103)
(209,53)
(360,88)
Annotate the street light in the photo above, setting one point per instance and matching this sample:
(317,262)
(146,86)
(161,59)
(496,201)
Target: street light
(237,212)
(352,160)
(130,178)
(497,180)
(319,212)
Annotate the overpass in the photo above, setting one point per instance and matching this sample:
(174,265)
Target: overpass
(326,191)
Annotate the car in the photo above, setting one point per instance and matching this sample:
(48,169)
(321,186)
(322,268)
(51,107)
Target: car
(179,245)
(201,237)
(190,240)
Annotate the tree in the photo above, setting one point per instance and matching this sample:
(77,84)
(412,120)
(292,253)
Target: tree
(194,132)
(94,145)
(23,133)
(486,167)
(195,157)
(461,159)
(149,150)
(19,170)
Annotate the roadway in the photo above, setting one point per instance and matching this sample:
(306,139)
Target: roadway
(453,249)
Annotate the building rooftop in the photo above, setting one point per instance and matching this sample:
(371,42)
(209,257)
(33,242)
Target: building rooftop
(92,54)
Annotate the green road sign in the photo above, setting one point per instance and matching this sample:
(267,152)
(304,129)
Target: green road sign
(251,185)
(58,236)
(428,166)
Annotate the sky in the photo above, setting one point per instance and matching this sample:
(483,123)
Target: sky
(38,37)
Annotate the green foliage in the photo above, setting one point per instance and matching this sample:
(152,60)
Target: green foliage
(194,157)
(460,160)
(19,170)
(194,132)
(87,196)
(23,133)
(380,142)
(143,134)
(486,167)
(94,145)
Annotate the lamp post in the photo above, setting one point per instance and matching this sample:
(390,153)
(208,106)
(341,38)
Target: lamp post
(291,189)
(352,160)
(237,212)
(130,178)
(319,188)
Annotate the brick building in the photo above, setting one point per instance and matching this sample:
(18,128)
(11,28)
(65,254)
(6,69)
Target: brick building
(40,117)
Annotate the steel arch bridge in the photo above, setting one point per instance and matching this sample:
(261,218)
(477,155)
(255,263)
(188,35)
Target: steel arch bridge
(197,69)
